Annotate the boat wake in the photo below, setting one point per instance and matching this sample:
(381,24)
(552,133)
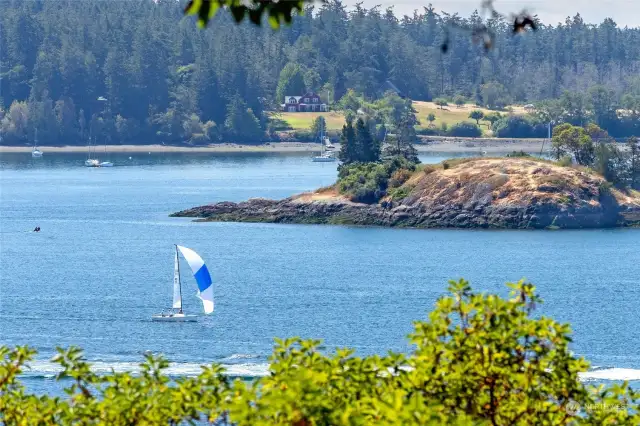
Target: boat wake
(249,370)
(48,369)
(610,374)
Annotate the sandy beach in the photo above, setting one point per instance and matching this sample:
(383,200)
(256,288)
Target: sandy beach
(431,144)
(268,147)
(488,145)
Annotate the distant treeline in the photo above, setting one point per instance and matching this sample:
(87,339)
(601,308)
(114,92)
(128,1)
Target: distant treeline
(139,72)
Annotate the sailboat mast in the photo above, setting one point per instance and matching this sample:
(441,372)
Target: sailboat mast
(322,137)
(179,280)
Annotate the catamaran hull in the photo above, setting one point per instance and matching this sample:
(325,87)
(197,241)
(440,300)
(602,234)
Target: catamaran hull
(174,318)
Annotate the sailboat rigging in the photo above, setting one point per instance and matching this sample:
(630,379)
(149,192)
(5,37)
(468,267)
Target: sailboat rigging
(106,163)
(36,153)
(205,288)
(91,162)
(326,156)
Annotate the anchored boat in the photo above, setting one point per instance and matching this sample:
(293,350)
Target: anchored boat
(326,155)
(36,153)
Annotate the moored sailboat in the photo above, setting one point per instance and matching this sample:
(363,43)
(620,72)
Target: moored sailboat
(36,153)
(205,288)
(326,155)
(106,163)
(91,162)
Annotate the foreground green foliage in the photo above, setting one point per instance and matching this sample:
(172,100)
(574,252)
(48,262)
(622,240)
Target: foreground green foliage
(276,11)
(479,359)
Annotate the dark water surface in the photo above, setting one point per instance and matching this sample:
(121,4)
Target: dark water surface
(102,265)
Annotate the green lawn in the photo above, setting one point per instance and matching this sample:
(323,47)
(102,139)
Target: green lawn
(450,115)
(303,120)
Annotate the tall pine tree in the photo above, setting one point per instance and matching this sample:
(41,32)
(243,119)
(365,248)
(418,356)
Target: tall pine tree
(348,146)
(368,147)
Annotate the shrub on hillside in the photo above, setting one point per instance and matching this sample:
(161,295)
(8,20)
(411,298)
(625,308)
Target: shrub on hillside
(565,161)
(277,124)
(363,182)
(303,136)
(518,154)
(399,177)
(428,131)
(368,182)
(517,126)
(465,130)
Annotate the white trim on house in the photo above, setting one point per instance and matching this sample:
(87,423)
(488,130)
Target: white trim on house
(309,102)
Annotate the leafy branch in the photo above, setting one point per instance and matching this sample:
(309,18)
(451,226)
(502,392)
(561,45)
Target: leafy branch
(281,11)
(277,11)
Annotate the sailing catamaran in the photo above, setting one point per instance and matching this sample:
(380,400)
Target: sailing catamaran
(205,288)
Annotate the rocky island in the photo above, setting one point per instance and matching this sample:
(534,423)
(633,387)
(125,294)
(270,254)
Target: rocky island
(506,193)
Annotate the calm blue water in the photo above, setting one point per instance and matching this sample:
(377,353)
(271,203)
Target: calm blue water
(102,265)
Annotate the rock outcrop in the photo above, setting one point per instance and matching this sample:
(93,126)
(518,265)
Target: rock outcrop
(508,193)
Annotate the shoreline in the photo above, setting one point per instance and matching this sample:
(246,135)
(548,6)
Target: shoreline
(486,193)
(432,145)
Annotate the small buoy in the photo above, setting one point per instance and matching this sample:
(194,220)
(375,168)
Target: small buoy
(129,158)
(149,152)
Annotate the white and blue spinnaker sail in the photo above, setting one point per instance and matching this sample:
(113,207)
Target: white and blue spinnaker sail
(177,291)
(201,274)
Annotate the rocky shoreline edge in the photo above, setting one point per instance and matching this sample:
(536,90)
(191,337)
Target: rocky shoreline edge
(480,193)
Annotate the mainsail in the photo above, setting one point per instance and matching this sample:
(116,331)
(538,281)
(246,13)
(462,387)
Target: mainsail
(201,274)
(177,291)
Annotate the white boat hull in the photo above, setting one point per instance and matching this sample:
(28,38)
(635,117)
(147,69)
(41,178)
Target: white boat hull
(92,163)
(106,164)
(174,318)
(323,159)
(36,154)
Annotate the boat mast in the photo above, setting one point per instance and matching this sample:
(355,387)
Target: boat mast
(179,280)
(322,138)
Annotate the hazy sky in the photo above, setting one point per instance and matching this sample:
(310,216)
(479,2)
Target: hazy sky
(623,12)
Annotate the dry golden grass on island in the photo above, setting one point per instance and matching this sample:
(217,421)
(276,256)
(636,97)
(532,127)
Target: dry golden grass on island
(507,193)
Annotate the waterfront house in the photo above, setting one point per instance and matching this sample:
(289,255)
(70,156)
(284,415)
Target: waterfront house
(309,102)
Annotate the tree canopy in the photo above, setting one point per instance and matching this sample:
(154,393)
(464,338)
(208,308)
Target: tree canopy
(158,71)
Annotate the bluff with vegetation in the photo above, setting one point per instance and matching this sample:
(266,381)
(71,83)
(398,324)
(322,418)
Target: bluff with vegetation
(514,193)
(164,80)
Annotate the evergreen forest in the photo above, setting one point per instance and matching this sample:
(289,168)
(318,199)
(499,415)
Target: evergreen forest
(139,71)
